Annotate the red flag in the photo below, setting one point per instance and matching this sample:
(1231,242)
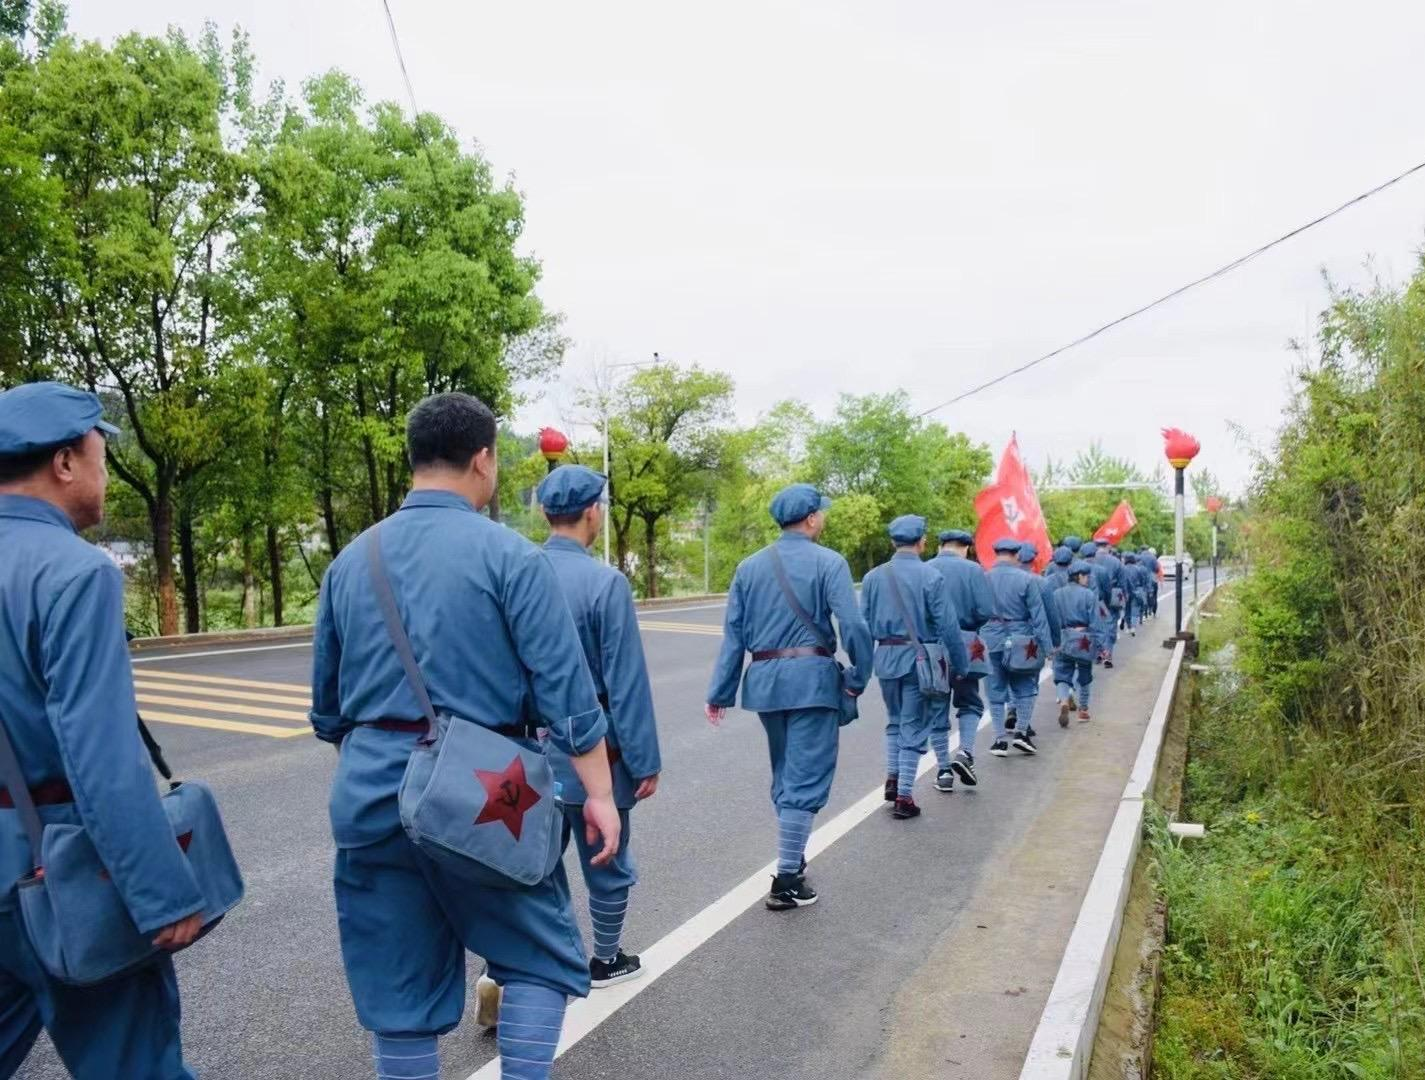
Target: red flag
(1010,508)
(1119,524)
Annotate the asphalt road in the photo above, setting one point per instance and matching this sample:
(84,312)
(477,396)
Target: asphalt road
(798,995)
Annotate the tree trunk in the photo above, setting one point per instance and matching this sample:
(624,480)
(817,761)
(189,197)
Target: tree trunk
(368,452)
(249,583)
(651,554)
(161,521)
(274,571)
(328,502)
(188,560)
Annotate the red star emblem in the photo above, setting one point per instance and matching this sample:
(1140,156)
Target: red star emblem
(507,796)
(1085,644)
(1031,650)
(185,839)
(977,649)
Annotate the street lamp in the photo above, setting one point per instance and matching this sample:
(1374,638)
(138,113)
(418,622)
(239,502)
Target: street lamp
(1180,448)
(552,444)
(1214,505)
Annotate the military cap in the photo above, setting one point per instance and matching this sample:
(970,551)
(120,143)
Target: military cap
(1078,566)
(1028,552)
(1063,556)
(797,503)
(956,536)
(1006,546)
(1130,557)
(907,529)
(39,415)
(1073,543)
(570,489)
(1088,551)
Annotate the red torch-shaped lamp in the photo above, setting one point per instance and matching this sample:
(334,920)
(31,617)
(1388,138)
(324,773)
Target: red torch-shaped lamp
(1180,448)
(552,444)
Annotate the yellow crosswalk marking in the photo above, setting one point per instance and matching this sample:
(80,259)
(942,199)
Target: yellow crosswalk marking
(146,698)
(220,680)
(270,730)
(681,628)
(302,701)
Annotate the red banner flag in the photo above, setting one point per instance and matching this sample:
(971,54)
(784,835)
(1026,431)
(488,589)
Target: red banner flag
(1119,524)
(1010,508)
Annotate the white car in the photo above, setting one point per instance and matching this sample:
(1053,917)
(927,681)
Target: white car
(1170,566)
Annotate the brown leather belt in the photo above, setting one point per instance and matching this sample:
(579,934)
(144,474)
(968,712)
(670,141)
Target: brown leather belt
(790,654)
(894,641)
(45,793)
(420,727)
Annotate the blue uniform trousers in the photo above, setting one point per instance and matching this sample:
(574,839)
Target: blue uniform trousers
(969,707)
(1072,676)
(908,718)
(803,745)
(127,1028)
(1004,686)
(608,885)
(406,924)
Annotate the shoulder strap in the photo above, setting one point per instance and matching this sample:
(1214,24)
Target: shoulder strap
(381,584)
(910,631)
(795,604)
(19,791)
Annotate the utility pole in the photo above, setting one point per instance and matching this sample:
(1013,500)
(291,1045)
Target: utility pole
(1180,448)
(707,551)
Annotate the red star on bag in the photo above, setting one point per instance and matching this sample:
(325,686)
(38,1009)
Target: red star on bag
(1031,650)
(977,649)
(1085,644)
(507,796)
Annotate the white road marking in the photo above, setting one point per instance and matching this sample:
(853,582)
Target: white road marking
(219,652)
(586,1014)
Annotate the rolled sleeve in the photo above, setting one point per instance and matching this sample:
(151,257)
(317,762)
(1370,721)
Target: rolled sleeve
(626,678)
(91,709)
(325,714)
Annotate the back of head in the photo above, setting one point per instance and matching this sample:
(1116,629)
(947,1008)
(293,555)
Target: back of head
(446,431)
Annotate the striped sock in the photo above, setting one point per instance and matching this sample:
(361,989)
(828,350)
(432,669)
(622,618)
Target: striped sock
(893,747)
(997,719)
(1084,695)
(793,831)
(940,743)
(1025,708)
(607,910)
(530,1020)
(910,761)
(969,731)
(405,1057)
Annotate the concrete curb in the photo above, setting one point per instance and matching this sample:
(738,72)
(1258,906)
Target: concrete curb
(298,633)
(1063,1042)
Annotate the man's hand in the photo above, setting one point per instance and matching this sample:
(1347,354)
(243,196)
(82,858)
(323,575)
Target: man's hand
(601,820)
(647,788)
(180,934)
(715,714)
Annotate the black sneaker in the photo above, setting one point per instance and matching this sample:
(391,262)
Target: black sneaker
(999,748)
(1011,717)
(1025,742)
(790,891)
(945,780)
(905,808)
(964,766)
(1031,733)
(621,968)
(1108,663)
(891,783)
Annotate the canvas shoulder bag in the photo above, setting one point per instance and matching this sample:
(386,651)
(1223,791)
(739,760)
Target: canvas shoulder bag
(932,665)
(70,908)
(478,803)
(850,708)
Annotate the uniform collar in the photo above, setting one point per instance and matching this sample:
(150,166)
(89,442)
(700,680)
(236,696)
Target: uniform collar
(30,509)
(435,497)
(906,555)
(563,543)
(794,537)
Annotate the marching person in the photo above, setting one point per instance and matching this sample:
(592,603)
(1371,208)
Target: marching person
(970,594)
(779,608)
(907,603)
(1057,572)
(1073,543)
(1017,636)
(1077,605)
(1148,559)
(1136,579)
(67,705)
(1028,552)
(1116,599)
(573,498)
(495,643)
(1100,580)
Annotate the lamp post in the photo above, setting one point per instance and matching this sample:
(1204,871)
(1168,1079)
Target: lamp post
(1180,448)
(1214,506)
(552,444)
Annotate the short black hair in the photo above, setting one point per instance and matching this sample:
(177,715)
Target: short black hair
(564,520)
(15,467)
(448,429)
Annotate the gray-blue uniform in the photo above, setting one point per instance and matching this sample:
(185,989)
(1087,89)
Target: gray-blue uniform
(1101,581)
(1019,612)
(602,605)
(1057,572)
(970,593)
(1136,576)
(925,594)
(67,703)
(792,683)
(1117,593)
(1027,554)
(496,646)
(1077,606)
(1149,561)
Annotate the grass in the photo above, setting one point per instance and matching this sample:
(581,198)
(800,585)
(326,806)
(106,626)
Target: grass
(1291,928)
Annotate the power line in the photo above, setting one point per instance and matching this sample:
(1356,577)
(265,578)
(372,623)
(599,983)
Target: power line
(400,58)
(1219,272)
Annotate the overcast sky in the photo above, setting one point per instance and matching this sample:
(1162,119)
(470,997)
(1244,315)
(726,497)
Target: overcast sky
(820,196)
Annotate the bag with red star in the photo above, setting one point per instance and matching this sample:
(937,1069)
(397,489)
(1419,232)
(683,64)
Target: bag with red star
(1022,653)
(978,653)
